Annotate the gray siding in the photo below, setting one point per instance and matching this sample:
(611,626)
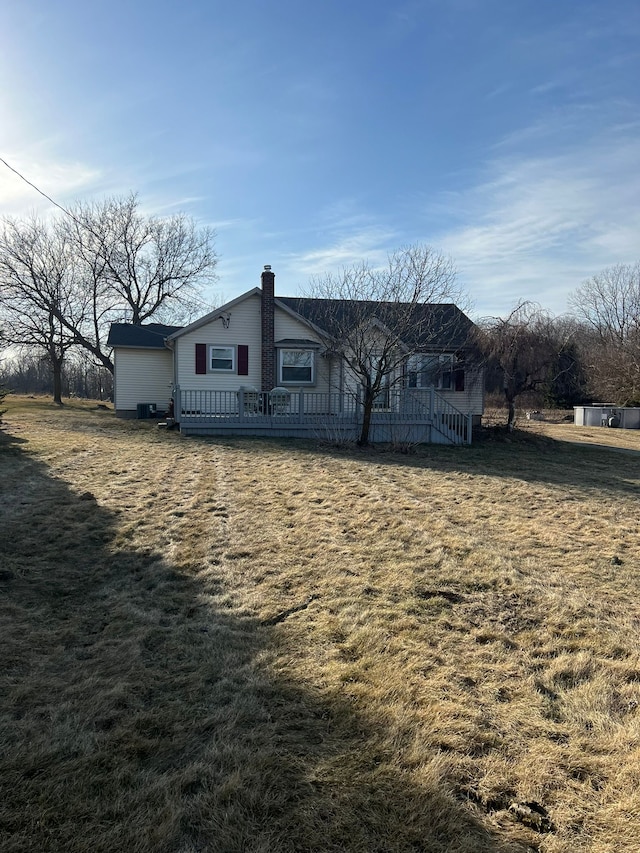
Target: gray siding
(142,376)
(244,329)
(471,400)
(287,327)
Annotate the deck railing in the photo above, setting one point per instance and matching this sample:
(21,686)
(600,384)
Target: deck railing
(276,409)
(450,421)
(241,405)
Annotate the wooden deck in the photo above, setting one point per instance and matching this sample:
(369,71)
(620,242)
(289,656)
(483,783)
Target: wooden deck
(404,416)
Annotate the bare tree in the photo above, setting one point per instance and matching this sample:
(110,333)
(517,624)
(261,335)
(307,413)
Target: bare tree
(36,292)
(608,306)
(374,318)
(63,284)
(528,347)
(568,378)
(149,266)
(3,388)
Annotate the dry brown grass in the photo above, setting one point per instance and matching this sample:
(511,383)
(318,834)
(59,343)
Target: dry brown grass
(271,646)
(558,425)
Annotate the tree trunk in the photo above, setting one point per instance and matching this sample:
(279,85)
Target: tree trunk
(363,441)
(56,366)
(511,411)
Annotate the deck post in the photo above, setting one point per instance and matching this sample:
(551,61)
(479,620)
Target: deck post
(300,406)
(177,404)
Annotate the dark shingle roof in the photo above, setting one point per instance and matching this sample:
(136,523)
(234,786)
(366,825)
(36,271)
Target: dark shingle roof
(150,336)
(292,343)
(438,326)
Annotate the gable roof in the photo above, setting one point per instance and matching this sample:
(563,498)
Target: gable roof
(292,343)
(215,314)
(437,326)
(151,336)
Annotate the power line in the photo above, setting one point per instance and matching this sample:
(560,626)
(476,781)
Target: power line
(38,190)
(48,197)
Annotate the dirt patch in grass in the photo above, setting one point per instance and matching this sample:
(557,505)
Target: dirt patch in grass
(271,646)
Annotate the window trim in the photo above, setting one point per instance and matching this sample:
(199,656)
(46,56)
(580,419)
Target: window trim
(306,350)
(447,365)
(233,359)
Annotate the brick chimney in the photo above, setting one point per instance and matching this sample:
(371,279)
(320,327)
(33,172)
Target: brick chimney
(268,339)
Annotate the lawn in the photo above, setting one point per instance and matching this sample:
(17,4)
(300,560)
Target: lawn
(252,646)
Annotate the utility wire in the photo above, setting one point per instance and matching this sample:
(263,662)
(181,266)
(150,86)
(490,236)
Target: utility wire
(79,222)
(38,190)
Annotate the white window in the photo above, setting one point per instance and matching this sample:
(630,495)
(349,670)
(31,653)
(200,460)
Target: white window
(222,358)
(382,398)
(423,371)
(297,367)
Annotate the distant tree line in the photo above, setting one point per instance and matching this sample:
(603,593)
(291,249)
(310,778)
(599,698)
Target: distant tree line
(591,354)
(64,281)
(28,372)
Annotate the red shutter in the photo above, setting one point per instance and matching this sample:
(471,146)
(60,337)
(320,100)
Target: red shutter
(243,360)
(458,379)
(201,358)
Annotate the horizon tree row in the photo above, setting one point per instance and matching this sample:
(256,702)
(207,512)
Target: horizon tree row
(592,353)
(27,371)
(63,281)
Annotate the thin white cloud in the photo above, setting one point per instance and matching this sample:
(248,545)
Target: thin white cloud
(541,225)
(534,228)
(59,180)
(177,205)
(545,88)
(497,91)
(371,244)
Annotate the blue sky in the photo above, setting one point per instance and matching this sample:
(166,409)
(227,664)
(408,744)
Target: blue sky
(504,133)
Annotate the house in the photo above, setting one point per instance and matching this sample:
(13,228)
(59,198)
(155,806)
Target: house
(264,364)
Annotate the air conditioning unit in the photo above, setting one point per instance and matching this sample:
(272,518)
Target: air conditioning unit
(146,410)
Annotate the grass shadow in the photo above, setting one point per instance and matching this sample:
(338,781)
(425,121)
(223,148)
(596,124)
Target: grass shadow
(139,710)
